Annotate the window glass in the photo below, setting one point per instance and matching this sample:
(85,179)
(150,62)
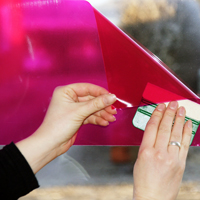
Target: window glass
(37,52)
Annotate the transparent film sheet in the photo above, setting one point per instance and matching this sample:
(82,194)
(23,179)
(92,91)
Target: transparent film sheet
(44,45)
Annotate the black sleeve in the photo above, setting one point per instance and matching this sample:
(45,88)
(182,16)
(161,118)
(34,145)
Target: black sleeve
(16,177)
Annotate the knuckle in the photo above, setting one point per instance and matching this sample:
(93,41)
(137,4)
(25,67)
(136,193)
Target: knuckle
(97,104)
(156,114)
(145,153)
(152,122)
(176,136)
(57,89)
(185,146)
(70,92)
(170,113)
(179,120)
(159,156)
(95,120)
(100,114)
(163,128)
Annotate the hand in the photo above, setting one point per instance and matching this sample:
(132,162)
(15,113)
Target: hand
(74,105)
(70,107)
(159,168)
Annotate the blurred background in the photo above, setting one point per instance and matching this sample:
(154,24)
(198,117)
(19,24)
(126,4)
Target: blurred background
(171,30)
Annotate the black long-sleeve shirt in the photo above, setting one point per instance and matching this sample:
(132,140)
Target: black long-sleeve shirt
(16,177)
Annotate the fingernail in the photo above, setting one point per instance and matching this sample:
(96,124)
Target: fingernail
(106,123)
(189,123)
(113,107)
(109,99)
(181,111)
(161,107)
(114,118)
(173,105)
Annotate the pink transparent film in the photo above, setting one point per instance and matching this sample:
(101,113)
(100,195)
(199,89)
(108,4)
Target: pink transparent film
(44,44)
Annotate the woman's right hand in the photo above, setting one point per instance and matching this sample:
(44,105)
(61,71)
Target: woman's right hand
(159,168)
(71,106)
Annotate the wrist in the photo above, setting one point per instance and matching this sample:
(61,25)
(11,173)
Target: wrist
(37,150)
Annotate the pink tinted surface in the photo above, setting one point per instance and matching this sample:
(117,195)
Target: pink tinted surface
(155,94)
(43,45)
(129,67)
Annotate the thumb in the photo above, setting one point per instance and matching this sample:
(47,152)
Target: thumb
(98,103)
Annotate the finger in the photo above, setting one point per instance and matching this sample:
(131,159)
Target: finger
(85,89)
(164,130)
(177,130)
(85,98)
(105,115)
(97,104)
(111,109)
(96,121)
(185,144)
(151,129)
